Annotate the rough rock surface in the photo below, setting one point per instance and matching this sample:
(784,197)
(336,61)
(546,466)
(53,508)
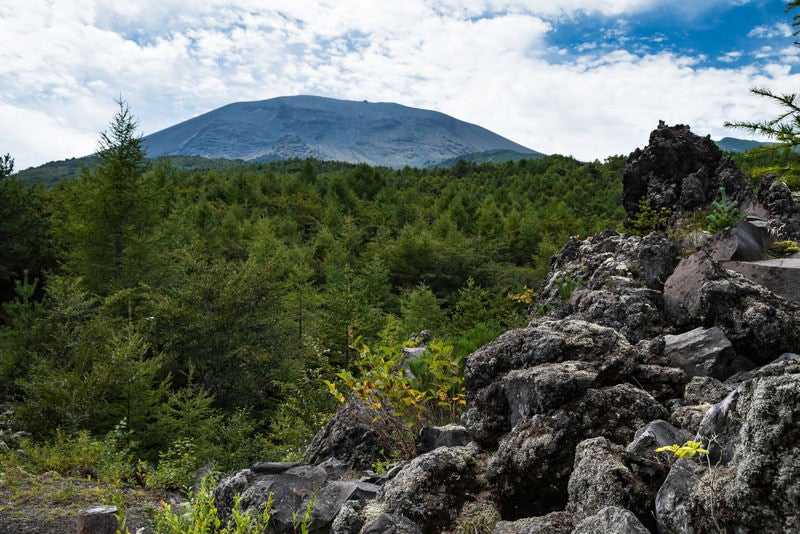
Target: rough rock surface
(433,437)
(431,489)
(701,352)
(611,520)
(759,324)
(552,523)
(532,370)
(601,478)
(681,171)
(291,487)
(618,281)
(784,212)
(350,435)
(754,487)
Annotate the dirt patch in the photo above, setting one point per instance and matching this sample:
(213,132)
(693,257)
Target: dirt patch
(49,503)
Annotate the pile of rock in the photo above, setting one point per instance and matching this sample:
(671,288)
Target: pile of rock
(638,349)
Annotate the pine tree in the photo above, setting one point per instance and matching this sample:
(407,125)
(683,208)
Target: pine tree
(108,213)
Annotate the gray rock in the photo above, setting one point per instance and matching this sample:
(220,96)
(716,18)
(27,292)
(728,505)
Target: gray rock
(391,524)
(539,451)
(352,436)
(681,172)
(705,390)
(496,396)
(682,290)
(552,523)
(759,324)
(754,487)
(783,210)
(431,489)
(779,275)
(620,281)
(433,437)
(653,435)
(611,520)
(291,488)
(672,502)
(744,241)
(601,478)
(701,352)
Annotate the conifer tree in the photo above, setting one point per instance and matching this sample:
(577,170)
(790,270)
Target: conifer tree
(104,229)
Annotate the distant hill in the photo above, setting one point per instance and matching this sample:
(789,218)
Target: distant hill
(731,144)
(382,134)
(491,156)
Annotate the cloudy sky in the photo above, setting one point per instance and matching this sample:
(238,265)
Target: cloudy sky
(588,78)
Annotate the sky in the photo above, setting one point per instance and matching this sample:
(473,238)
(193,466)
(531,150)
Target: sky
(586,78)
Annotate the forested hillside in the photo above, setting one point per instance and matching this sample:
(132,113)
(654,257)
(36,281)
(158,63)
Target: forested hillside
(171,313)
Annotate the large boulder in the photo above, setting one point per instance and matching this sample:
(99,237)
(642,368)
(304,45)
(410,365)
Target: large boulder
(601,478)
(759,324)
(613,280)
(352,436)
(293,489)
(681,172)
(533,370)
(782,209)
(539,452)
(611,520)
(552,523)
(701,352)
(751,482)
(431,489)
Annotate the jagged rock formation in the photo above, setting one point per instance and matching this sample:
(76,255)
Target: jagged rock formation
(629,348)
(681,172)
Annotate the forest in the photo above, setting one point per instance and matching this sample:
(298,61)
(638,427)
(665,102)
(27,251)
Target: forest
(166,317)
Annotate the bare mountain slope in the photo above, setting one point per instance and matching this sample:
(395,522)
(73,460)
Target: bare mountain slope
(324,128)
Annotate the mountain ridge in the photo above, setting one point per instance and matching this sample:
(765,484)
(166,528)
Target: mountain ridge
(376,133)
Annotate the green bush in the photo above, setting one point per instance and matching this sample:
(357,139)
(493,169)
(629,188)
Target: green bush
(725,213)
(201,517)
(406,403)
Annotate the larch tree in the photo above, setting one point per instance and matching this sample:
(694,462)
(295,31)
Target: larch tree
(108,213)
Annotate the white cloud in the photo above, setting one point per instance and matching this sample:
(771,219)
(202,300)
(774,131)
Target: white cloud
(768,32)
(485,61)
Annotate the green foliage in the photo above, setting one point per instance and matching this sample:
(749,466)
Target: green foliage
(420,310)
(201,516)
(106,224)
(567,285)
(208,302)
(647,219)
(784,248)
(23,227)
(405,402)
(688,449)
(725,213)
(176,467)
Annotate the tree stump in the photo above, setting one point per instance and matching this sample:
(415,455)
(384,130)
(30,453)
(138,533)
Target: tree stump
(98,520)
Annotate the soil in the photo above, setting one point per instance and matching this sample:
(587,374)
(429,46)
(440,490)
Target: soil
(49,504)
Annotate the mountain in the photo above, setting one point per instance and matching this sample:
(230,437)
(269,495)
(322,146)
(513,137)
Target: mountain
(732,144)
(384,134)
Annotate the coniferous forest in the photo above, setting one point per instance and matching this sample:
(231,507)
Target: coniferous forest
(170,317)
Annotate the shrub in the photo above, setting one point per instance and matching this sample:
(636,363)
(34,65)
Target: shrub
(724,214)
(201,517)
(784,248)
(647,219)
(406,402)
